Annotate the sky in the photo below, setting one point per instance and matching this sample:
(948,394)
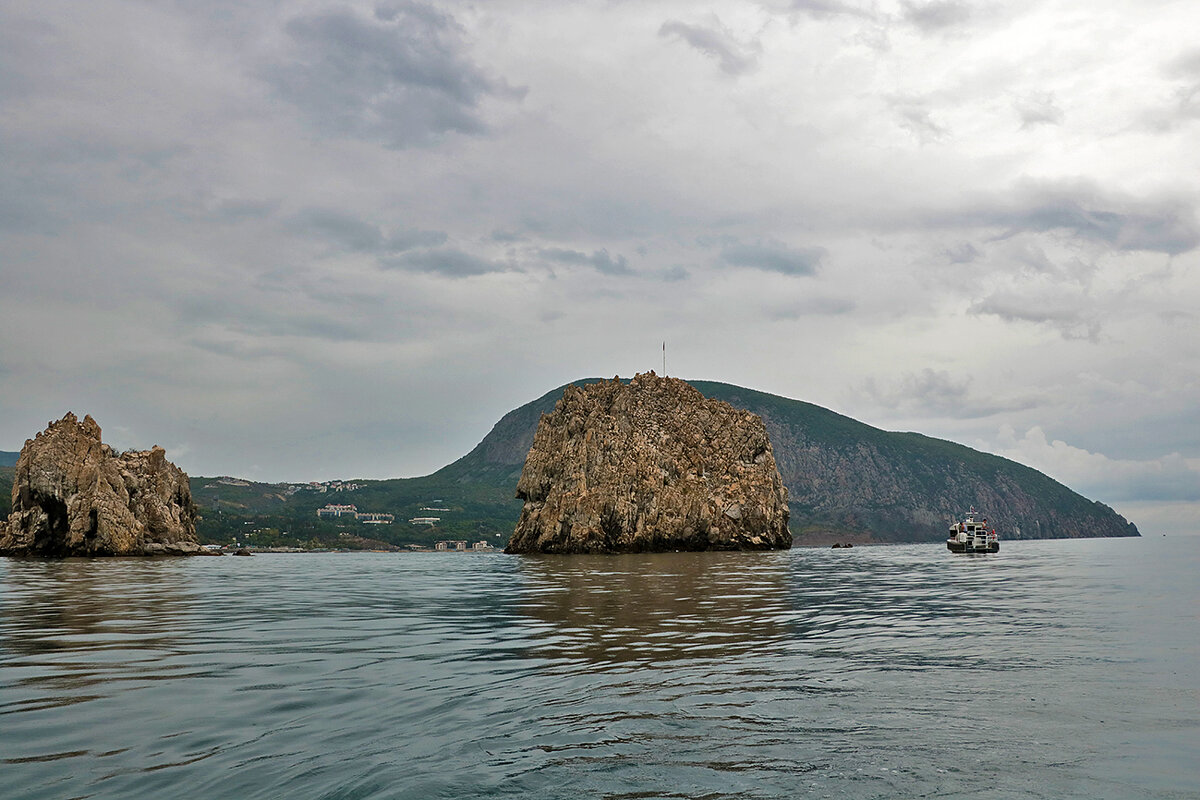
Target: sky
(313,240)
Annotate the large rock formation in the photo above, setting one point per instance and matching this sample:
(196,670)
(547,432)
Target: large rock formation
(645,466)
(72,495)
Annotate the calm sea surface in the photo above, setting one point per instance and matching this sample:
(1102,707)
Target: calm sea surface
(1052,670)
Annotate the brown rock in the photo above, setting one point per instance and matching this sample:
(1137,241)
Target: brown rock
(649,466)
(73,495)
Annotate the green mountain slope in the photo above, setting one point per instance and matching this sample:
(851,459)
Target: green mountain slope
(846,480)
(846,477)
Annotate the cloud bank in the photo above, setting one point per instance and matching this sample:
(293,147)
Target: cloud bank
(342,239)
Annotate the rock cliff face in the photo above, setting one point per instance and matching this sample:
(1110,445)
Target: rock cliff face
(652,465)
(73,495)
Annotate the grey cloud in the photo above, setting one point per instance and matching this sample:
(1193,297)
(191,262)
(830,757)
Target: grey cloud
(600,260)
(773,256)
(1038,109)
(1184,72)
(268,315)
(349,233)
(1187,69)
(961,253)
(1168,477)
(938,393)
(1185,65)
(409,238)
(1165,225)
(928,388)
(820,9)
(1064,311)
(449,262)
(238,210)
(1173,480)
(23,42)
(715,42)
(812,307)
(936,15)
(914,116)
(403,77)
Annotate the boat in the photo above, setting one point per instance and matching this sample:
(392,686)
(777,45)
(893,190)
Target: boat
(973,535)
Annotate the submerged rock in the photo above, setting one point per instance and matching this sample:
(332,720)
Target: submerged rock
(649,466)
(74,496)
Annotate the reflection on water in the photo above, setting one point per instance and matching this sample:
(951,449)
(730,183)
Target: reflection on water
(638,610)
(83,626)
(1051,670)
(83,603)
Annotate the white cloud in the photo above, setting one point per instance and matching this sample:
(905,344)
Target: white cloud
(1167,478)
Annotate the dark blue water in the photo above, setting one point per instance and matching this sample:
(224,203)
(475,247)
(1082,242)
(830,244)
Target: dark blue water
(1052,670)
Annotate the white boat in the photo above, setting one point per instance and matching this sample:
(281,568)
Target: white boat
(973,535)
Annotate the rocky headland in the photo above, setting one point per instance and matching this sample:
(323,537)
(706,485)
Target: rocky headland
(73,495)
(651,465)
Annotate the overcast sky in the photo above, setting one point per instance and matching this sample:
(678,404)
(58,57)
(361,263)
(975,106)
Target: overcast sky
(307,240)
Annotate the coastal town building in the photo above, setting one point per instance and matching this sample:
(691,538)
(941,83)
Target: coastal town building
(459,545)
(430,521)
(334,511)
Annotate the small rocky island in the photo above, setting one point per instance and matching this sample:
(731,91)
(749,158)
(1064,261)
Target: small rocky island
(651,465)
(74,496)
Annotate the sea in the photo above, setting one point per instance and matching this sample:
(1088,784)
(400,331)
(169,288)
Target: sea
(1054,669)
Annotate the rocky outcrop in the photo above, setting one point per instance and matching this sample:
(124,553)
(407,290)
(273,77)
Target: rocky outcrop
(646,466)
(73,495)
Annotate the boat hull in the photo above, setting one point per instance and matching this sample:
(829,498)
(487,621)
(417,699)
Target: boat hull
(968,547)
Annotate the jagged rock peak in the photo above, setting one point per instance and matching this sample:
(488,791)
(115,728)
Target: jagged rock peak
(73,495)
(647,466)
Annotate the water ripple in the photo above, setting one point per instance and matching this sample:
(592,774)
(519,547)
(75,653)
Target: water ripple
(1046,671)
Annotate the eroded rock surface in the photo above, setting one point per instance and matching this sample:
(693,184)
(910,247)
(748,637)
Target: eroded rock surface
(649,466)
(74,496)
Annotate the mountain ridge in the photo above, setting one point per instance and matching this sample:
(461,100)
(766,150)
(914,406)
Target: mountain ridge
(848,481)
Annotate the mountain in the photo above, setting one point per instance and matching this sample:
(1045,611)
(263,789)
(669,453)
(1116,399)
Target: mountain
(850,481)
(844,476)
(847,481)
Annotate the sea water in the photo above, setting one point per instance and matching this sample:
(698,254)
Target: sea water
(1054,669)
